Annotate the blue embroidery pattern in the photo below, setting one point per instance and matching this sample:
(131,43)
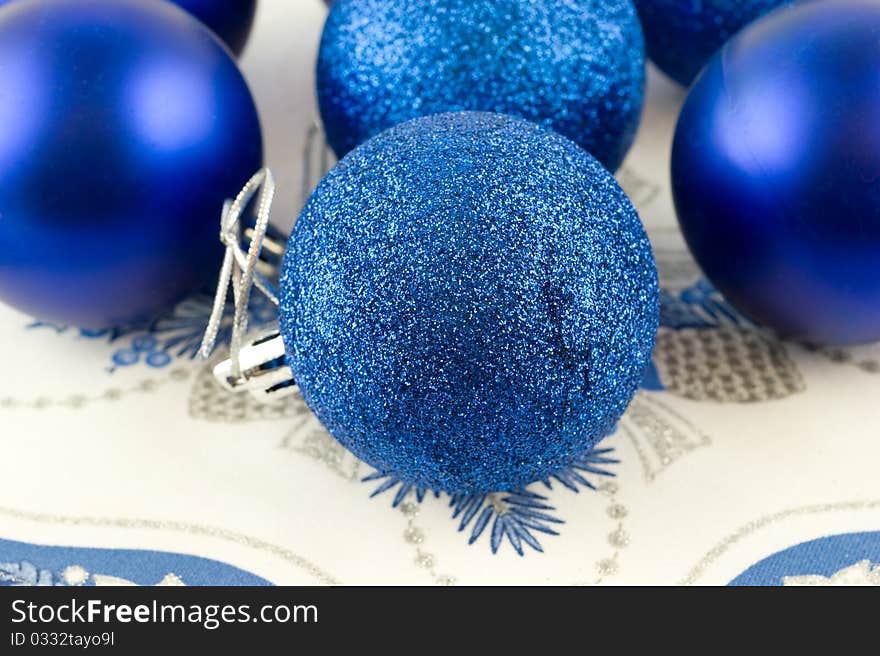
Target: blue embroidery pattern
(707,351)
(174,335)
(513,516)
(698,306)
(24,573)
(74,566)
(847,559)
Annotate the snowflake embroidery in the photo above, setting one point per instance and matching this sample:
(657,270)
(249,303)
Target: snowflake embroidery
(514,517)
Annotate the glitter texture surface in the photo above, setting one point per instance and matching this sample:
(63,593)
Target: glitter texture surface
(468,301)
(682,35)
(576,66)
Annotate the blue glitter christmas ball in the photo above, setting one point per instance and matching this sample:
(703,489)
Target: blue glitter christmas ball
(576,66)
(776,171)
(682,35)
(468,301)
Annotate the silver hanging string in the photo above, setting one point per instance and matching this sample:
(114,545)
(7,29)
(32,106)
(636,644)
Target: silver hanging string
(255,365)
(239,268)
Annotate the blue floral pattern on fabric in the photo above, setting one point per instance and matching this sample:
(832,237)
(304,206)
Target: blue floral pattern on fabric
(698,306)
(23,564)
(847,559)
(172,336)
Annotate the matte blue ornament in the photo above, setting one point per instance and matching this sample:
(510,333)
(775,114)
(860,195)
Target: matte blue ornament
(468,302)
(682,35)
(124,125)
(231,20)
(576,66)
(776,171)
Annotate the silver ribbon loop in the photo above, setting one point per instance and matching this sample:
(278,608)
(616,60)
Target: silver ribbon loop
(258,365)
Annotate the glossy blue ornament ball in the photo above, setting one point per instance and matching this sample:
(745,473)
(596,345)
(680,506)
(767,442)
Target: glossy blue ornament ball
(682,35)
(124,125)
(468,301)
(776,171)
(231,20)
(576,66)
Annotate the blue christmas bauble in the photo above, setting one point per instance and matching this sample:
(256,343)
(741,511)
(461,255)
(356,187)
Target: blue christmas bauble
(576,66)
(468,301)
(682,35)
(231,20)
(776,171)
(124,125)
